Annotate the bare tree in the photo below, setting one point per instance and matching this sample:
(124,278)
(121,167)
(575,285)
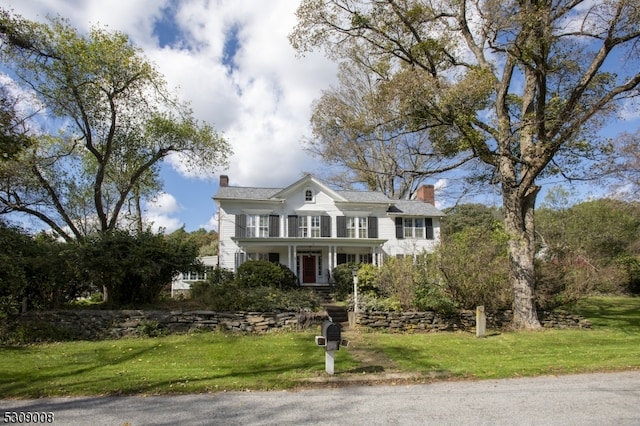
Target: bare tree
(358,126)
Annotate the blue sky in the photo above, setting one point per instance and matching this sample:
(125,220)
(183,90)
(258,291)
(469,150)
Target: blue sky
(232,61)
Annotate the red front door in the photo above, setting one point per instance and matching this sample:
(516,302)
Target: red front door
(308,269)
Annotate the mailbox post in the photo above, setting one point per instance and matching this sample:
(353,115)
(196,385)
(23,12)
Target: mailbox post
(331,339)
(354,272)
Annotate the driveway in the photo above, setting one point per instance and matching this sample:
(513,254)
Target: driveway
(590,399)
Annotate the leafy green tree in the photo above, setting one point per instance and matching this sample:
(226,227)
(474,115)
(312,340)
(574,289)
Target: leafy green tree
(521,85)
(14,248)
(37,273)
(473,265)
(13,138)
(589,247)
(462,216)
(108,121)
(206,241)
(133,268)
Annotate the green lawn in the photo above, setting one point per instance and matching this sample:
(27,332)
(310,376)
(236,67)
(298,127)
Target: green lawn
(613,344)
(186,363)
(205,362)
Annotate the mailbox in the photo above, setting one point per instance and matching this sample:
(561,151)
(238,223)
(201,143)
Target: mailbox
(332,335)
(331,339)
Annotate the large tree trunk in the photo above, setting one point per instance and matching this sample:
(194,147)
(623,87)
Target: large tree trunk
(519,224)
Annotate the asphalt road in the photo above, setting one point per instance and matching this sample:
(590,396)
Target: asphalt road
(592,399)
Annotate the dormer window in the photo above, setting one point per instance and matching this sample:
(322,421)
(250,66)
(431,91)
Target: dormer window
(308,196)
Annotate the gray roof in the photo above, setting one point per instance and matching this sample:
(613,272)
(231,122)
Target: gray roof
(414,208)
(246,193)
(399,207)
(365,197)
(250,193)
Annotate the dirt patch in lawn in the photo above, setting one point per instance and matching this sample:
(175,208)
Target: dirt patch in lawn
(375,367)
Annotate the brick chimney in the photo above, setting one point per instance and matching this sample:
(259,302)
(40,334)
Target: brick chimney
(224,180)
(426,194)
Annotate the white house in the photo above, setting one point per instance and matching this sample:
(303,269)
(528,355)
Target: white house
(181,284)
(312,228)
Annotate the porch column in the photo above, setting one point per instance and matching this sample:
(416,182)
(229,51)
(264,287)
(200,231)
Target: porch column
(294,267)
(335,256)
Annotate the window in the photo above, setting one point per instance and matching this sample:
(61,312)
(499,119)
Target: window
(197,275)
(311,226)
(418,227)
(303,227)
(264,226)
(352,227)
(362,227)
(418,230)
(356,227)
(251,226)
(308,196)
(315,226)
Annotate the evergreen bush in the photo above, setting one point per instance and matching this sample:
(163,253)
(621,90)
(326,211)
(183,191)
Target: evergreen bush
(262,273)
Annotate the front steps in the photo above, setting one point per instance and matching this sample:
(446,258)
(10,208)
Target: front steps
(337,312)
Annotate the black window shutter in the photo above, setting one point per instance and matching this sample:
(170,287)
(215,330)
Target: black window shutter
(372,231)
(325,226)
(399,228)
(274,257)
(293,226)
(341,258)
(241,225)
(429,228)
(341,226)
(274,226)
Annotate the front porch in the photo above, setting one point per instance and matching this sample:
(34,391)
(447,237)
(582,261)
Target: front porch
(311,261)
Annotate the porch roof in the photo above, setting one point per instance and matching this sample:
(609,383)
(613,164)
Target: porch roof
(309,242)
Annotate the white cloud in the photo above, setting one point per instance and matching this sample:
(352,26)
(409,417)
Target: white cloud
(261,104)
(160,213)
(212,223)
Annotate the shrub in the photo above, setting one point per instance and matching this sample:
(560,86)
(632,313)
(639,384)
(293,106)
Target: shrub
(251,291)
(230,297)
(262,273)
(289,280)
(434,298)
(343,279)
(368,279)
(134,268)
(397,278)
(473,268)
(369,302)
(217,277)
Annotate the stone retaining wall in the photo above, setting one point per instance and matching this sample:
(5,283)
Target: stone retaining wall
(463,320)
(96,324)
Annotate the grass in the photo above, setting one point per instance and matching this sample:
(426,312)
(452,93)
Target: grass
(613,344)
(209,362)
(199,362)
